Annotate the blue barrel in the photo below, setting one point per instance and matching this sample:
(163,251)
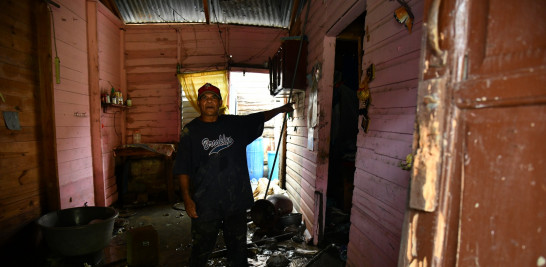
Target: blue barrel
(255,159)
(270,158)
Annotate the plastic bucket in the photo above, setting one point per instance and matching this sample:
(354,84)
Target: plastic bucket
(255,159)
(270,158)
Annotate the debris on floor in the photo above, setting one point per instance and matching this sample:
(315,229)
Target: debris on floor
(283,244)
(260,187)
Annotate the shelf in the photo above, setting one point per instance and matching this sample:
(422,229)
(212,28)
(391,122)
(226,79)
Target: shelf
(105,106)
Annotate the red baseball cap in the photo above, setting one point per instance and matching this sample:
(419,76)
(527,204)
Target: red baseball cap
(209,88)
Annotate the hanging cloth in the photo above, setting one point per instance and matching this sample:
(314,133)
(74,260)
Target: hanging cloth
(191,82)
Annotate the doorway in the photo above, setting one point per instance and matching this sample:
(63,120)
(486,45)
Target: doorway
(344,131)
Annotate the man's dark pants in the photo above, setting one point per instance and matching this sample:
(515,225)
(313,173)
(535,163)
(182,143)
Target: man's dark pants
(204,236)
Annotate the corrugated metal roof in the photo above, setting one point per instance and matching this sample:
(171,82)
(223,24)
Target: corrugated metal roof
(266,13)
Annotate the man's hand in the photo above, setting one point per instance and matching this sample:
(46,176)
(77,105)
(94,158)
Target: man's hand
(282,109)
(190,208)
(286,108)
(186,196)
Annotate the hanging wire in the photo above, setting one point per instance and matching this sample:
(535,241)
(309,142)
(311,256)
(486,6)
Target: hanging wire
(289,97)
(263,50)
(220,33)
(53,24)
(57,60)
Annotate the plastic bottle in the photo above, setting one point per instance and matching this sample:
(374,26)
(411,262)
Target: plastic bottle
(136,137)
(129,101)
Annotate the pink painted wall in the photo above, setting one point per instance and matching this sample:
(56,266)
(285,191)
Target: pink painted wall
(111,73)
(379,197)
(307,169)
(71,96)
(152,54)
(152,84)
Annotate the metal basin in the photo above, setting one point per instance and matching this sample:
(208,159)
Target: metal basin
(263,214)
(290,219)
(266,212)
(78,231)
(283,204)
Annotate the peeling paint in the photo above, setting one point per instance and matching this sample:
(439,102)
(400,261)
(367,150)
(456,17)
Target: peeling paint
(418,263)
(477,257)
(541,261)
(439,242)
(411,247)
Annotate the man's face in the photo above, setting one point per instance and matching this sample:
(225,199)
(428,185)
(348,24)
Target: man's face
(209,104)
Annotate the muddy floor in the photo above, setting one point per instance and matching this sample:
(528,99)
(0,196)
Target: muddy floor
(158,234)
(274,247)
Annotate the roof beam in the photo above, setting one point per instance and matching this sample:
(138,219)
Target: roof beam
(207,13)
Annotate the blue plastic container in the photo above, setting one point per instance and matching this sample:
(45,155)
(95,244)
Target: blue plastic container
(270,158)
(255,159)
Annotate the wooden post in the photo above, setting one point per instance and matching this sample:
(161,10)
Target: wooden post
(48,159)
(94,103)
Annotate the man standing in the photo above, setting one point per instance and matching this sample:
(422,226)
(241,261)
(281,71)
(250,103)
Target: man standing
(212,168)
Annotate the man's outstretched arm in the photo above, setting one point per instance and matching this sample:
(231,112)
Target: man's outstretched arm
(273,112)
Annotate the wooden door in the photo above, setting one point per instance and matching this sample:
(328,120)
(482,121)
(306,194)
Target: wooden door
(478,192)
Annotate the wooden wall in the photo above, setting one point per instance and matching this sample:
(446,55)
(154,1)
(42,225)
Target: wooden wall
(150,63)
(73,134)
(112,120)
(48,164)
(152,54)
(380,193)
(379,197)
(27,158)
(78,92)
(307,169)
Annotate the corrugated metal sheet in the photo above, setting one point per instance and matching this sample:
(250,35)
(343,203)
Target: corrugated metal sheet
(161,11)
(266,13)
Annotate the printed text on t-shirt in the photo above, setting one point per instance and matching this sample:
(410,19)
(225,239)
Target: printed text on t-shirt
(217,145)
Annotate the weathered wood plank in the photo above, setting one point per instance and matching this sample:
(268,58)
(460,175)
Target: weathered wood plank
(77,175)
(390,218)
(72,131)
(361,251)
(15,224)
(386,242)
(399,69)
(18,184)
(397,95)
(392,120)
(69,167)
(30,203)
(76,194)
(24,135)
(388,144)
(382,189)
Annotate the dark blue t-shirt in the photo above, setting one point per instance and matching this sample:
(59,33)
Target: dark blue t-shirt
(213,154)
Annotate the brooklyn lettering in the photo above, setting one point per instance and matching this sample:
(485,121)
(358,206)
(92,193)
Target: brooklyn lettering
(222,141)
